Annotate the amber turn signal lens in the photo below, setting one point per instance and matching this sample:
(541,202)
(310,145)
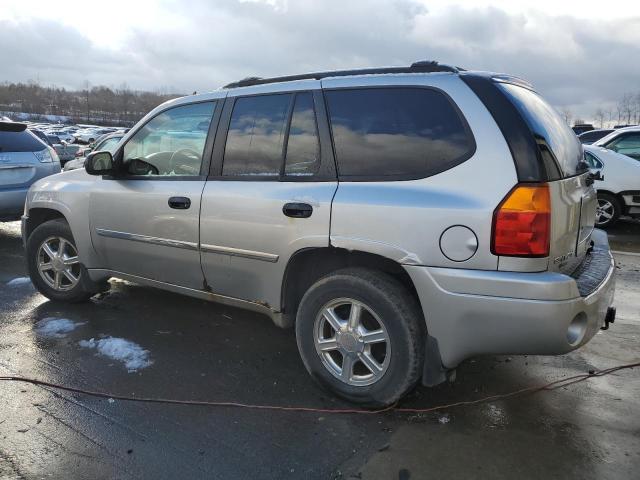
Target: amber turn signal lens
(522,222)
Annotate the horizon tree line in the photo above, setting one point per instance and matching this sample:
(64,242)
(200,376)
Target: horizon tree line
(100,104)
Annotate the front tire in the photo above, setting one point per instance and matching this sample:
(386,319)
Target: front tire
(54,266)
(608,211)
(361,335)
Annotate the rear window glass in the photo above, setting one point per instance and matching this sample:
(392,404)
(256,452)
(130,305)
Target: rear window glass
(23,141)
(396,132)
(548,127)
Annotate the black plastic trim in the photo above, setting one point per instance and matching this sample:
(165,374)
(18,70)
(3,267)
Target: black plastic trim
(425,66)
(522,144)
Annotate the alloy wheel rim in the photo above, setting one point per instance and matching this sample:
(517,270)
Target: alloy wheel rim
(352,342)
(604,211)
(58,263)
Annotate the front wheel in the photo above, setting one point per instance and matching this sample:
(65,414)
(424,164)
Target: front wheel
(608,210)
(54,265)
(361,335)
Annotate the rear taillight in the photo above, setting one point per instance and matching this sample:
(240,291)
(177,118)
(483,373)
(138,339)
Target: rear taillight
(522,223)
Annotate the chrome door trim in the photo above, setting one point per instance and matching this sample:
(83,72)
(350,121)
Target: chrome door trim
(239,252)
(166,242)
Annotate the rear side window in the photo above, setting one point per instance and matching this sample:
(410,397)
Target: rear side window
(557,142)
(256,135)
(303,146)
(627,144)
(23,141)
(396,133)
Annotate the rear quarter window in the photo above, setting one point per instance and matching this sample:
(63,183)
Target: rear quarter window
(396,133)
(23,141)
(554,137)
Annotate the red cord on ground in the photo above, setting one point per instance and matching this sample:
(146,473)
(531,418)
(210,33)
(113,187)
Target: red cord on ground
(530,390)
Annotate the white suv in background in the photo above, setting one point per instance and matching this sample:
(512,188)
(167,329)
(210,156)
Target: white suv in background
(618,186)
(623,140)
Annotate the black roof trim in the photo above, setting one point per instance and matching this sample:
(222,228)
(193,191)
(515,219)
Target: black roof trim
(12,127)
(425,66)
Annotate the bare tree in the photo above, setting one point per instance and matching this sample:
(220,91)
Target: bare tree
(567,114)
(625,108)
(600,115)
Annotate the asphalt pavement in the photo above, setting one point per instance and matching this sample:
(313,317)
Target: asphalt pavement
(144,342)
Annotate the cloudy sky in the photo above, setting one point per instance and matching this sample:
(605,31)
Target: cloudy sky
(579,54)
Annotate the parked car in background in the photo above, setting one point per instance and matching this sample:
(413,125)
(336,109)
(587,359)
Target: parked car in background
(618,187)
(54,139)
(624,140)
(401,219)
(41,135)
(587,138)
(108,143)
(63,135)
(91,135)
(581,128)
(66,152)
(24,159)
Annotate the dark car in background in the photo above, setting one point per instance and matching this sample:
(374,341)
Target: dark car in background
(579,128)
(587,138)
(41,135)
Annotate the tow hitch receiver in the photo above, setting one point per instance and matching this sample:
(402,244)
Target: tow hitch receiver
(610,317)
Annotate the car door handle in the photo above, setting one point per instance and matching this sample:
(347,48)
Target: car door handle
(297,210)
(180,203)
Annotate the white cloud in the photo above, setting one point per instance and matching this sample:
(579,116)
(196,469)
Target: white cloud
(579,60)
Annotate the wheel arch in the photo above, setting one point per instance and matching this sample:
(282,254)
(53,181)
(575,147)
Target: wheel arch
(37,216)
(308,265)
(619,197)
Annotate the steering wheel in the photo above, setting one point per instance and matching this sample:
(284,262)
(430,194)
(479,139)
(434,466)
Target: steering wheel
(185,161)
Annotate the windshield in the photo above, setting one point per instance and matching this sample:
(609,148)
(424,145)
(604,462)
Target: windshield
(552,134)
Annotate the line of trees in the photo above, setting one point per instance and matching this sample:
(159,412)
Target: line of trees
(626,111)
(93,104)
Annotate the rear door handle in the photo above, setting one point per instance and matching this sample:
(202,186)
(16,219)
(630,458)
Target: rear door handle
(180,203)
(297,210)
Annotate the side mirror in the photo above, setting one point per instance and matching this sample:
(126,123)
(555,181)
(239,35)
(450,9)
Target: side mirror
(99,163)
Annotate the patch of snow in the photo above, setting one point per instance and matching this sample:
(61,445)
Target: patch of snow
(16,282)
(131,354)
(56,327)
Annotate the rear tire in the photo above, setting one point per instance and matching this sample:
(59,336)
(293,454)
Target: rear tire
(608,211)
(373,360)
(54,266)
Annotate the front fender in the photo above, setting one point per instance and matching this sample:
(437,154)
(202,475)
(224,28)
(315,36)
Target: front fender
(68,193)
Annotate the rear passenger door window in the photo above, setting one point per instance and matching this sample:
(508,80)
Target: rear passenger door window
(256,136)
(303,146)
(396,133)
(272,137)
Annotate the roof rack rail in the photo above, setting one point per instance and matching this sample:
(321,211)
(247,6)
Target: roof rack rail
(424,66)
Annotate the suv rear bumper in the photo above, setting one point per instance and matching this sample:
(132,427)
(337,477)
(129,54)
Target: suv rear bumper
(473,312)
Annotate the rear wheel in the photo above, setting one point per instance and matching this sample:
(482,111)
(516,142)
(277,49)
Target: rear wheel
(608,210)
(54,265)
(361,335)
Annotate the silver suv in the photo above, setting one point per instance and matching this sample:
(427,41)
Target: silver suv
(402,219)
